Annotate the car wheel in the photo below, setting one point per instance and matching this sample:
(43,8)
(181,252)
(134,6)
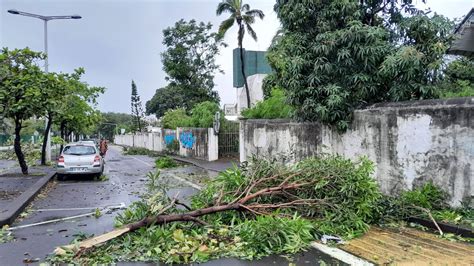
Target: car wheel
(60,177)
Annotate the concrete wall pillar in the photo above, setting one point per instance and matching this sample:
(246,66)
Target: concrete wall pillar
(212,145)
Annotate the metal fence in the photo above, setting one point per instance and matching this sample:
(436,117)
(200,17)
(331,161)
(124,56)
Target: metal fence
(4,139)
(229,139)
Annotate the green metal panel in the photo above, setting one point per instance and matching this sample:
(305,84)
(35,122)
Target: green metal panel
(255,63)
(24,138)
(4,139)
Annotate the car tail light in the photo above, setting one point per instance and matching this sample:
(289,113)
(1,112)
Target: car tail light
(61,159)
(97,159)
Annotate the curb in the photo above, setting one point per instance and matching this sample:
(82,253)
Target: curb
(15,207)
(184,160)
(194,163)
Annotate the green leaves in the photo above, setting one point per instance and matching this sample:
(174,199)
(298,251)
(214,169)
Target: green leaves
(165,162)
(273,107)
(190,65)
(337,56)
(175,118)
(202,114)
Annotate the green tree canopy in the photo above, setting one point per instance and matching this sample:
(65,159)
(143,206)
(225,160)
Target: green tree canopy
(79,112)
(21,91)
(331,58)
(458,79)
(174,118)
(243,17)
(202,115)
(137,109)
(110,123)
(190,64)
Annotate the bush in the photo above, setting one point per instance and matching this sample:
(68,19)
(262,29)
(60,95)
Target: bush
(176,118)
(271,108)
(202,114)
(138,151)
(394,209)
(460,88)
(165,162)
(427,196)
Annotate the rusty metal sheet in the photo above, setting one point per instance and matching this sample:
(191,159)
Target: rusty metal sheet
(407,246)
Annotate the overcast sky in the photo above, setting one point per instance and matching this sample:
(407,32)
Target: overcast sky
(117,40)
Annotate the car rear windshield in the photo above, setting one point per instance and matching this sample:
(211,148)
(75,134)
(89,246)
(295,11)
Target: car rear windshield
(79,150)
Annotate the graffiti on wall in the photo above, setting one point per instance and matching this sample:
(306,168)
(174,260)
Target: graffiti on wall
(187,139)
(169,139)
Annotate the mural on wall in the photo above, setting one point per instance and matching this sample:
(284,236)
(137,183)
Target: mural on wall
(187,139)
(169,139)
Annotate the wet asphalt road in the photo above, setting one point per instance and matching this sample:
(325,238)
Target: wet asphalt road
(81,195)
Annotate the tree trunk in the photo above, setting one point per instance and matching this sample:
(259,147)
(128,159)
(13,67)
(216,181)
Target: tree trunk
(242,61)
(69,136)
(247,91)
(17,147)
(63,135)
(45,140)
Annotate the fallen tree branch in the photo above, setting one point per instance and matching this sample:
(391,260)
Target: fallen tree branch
(161,218)
(431,217)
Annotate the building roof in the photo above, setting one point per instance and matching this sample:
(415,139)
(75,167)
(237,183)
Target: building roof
(464,42)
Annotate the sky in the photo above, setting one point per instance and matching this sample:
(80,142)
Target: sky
(117,40)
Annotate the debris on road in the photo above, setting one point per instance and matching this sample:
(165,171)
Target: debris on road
(94,213)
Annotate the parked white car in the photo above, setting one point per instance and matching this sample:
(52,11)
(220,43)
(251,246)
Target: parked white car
(80,159)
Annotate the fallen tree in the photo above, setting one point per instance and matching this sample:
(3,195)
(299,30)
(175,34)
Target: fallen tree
(334,194)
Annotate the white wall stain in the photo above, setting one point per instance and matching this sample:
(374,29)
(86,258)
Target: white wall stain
(414,142)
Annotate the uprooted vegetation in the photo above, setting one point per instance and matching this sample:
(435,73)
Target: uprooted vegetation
(260,209)
(428,202)
(165,162)
(139,151)
(233,214)
(30,151)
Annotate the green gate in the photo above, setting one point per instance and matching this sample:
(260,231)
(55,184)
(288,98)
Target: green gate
(229,139)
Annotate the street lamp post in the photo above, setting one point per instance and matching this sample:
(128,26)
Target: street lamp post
(45,19)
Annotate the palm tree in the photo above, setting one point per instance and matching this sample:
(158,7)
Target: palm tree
(244,17)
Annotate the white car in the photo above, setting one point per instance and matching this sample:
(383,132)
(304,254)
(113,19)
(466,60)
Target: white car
(80,159)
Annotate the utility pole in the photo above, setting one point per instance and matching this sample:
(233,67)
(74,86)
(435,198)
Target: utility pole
(45,19)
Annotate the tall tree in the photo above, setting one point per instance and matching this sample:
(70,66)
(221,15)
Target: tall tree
(111,123)
(244,17)
(20,91)
(52,94)
(137,109)
(338,55)
(190,64)
(78,110)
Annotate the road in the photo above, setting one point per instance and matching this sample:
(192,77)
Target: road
(77,196)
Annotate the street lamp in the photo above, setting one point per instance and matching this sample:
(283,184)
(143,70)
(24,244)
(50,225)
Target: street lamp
(45,19)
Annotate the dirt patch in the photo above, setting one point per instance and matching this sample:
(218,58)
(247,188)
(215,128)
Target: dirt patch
(9,195)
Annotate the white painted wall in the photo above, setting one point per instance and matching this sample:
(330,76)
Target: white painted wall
(213,145)
(208,150)
(255,83)
(409,143)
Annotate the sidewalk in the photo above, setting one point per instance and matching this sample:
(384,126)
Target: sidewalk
(215,166)
(17,190)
